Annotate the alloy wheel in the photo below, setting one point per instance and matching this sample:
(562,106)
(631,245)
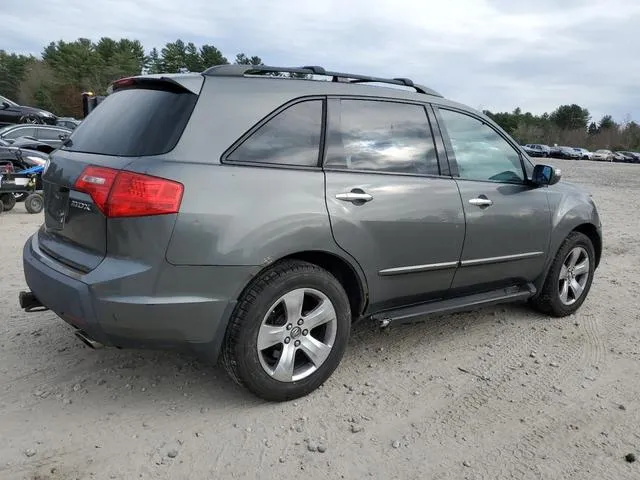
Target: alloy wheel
(297,335)
(574,276)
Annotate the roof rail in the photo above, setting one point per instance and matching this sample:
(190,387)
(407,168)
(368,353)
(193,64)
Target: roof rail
(242,70)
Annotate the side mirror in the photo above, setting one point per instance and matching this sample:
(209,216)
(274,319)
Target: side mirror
(5,105)
(545,175)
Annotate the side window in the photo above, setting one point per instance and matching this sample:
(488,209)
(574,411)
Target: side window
(21,132)
(292,137)
(481,153)
(380,136)
(50,133)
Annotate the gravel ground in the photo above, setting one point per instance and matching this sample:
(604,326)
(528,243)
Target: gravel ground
(538,397)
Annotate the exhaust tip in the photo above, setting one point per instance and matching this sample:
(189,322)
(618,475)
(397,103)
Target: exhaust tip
(88,341)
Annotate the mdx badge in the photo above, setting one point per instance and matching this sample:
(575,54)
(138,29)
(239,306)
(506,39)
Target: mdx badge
(80,205)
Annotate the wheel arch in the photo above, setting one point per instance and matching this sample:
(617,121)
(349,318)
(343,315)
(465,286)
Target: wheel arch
(586,228)
(353,281)
(591,231)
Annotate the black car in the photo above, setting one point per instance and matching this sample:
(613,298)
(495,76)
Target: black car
(567,153)
(629,157)
(51,135)
(11,112)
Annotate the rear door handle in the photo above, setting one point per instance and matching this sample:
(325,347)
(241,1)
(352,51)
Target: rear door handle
(481,202)
(354,197)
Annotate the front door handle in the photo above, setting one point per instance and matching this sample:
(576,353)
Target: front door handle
(354,196)
(481,202)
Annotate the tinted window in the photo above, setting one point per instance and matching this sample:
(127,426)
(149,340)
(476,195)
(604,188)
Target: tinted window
(20,132)
(380,136)
(135,122)
(50,133)
(480,152)
(292,137)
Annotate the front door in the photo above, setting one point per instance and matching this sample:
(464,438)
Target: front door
(508,221)
(390,208)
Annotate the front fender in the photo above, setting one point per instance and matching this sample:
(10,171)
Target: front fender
(572,208)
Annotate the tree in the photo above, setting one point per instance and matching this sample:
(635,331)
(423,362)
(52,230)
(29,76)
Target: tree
(607,123)
(174,56)
(242,59)
(12,71)
(193,60)
(571,117)
(154,63)
(593,129)
(211,56)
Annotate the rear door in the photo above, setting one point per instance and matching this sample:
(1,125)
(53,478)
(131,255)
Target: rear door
(142,120)
(392,207)
(508,221)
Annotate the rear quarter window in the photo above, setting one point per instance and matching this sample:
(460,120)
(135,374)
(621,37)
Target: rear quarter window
(135,122)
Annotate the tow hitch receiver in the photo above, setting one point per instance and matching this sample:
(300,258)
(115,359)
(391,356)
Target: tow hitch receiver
(29,303)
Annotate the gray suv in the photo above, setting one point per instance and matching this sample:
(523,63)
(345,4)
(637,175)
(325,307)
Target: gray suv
(252,218)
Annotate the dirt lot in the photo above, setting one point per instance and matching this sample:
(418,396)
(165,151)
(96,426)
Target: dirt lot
(552,399)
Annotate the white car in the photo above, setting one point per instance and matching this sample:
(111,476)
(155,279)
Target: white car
(603,155)
(584,153)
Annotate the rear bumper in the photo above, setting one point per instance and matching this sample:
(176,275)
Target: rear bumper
(125,304)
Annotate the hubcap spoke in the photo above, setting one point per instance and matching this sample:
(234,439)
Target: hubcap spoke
(270,335)
(581,268)
(573,258)
(576,288)
(320,315)
(284,369)
(293,305)
(564,291)
(574,276)
(564,272)
(315,350)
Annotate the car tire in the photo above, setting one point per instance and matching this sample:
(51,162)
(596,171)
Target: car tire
(559,296)
(272,311)
(34,119)
(34,203)
(1,208)
(8,201)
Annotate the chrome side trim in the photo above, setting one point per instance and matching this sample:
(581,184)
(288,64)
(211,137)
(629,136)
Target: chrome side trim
(417,268)
(506,258)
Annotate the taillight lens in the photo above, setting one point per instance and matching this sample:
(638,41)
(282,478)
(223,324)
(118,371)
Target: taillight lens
(120,193)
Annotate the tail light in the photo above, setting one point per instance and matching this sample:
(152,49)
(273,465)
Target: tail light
(120,193)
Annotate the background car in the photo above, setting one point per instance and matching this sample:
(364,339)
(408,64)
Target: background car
(619,157)
(51,135)
(602,155)
(636,157)
(68,122)
(537,150)
(628,157)
(584,153)
(565,152)
(11,112)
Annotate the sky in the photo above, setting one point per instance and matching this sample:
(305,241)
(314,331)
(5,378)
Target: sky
(489,54)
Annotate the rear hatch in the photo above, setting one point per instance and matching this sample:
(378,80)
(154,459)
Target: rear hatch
(87,182)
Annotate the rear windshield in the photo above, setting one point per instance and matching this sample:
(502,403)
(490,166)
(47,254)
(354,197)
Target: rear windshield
(134,122)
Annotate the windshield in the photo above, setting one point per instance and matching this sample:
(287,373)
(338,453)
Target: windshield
(6,100)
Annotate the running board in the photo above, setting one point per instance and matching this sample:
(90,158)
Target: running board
(416,313)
